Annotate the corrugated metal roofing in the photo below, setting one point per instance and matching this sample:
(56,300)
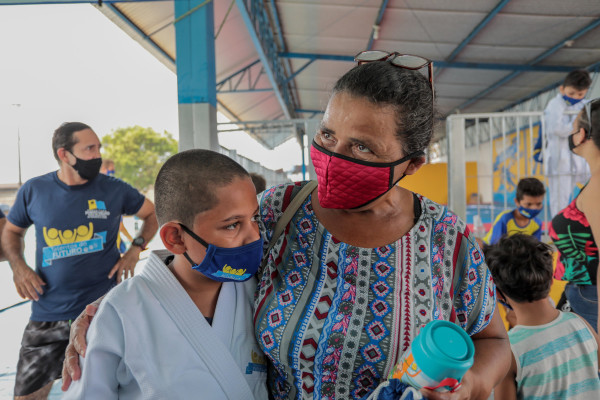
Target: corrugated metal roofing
(489,33)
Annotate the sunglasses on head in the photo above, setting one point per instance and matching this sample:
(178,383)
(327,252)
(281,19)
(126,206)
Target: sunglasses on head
(406,61)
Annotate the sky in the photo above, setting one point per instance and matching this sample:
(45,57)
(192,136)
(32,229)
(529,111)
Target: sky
(70,63)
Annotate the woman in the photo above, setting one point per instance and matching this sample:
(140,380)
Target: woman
(364,263)
(575,228)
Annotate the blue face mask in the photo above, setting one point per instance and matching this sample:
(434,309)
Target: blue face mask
(235,264)
(570,100)
(110,172)
(529,212)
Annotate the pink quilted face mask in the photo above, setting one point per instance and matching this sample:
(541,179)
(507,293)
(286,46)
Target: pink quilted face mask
(346,182)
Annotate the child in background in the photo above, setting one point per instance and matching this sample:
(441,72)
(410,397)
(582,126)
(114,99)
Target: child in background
(563,168)
(555,354)
(182,328)
(259,182)
(523,219)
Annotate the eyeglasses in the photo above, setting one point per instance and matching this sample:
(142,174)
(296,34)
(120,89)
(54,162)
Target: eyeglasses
(406,61)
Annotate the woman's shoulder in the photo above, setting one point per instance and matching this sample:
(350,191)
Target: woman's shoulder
(279,197)
(439,214)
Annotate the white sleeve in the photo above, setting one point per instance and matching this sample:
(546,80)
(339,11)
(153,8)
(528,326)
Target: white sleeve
(103,360)
(557,123)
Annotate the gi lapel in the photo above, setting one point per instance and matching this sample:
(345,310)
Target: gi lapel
(196,330)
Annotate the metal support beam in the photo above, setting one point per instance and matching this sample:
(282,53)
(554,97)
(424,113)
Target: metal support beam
(477,29)
(240,71)
(446,64)
(302,110)
(375,30)
(196,74)
(129,26)
(539,58)
(457,176)
(299,71)
(244,91)
(591,68)
(259,29)
(40,2)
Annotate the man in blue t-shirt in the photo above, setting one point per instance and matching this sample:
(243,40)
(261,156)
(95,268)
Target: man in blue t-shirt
(76,213)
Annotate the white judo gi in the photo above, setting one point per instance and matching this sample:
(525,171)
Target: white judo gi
(148,340)
(563,168)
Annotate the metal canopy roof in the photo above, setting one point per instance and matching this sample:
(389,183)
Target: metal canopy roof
(279,59)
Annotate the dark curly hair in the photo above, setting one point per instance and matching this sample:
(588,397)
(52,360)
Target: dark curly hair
(406,90)
(531,187)
(521,267)
(578,79)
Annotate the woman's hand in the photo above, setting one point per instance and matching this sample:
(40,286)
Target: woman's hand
(77,344)
(462,393)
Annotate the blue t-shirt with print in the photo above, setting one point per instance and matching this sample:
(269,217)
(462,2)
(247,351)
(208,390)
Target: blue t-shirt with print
(76,230)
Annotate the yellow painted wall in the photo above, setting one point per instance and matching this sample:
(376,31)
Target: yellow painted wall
(432,181)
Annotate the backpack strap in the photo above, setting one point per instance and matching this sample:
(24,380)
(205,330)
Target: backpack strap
(287,215)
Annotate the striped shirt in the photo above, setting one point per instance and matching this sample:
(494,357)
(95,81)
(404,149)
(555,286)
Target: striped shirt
(558,360)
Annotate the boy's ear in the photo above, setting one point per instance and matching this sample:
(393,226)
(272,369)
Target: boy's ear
(171,236)
(561,89)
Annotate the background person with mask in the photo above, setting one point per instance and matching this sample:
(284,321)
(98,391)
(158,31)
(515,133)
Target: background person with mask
(576,229)
(76,214)
(529,200)
(564,169)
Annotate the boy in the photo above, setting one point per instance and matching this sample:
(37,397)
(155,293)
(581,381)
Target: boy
(555,354)
(183,327)
(563,168)
(529,200)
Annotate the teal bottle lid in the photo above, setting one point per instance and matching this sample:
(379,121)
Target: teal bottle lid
(443,350)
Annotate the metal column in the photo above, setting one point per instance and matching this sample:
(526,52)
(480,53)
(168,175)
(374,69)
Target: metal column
(457,176)
(196,74)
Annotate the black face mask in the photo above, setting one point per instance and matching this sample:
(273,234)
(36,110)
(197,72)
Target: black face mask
(87,169)
(572,144)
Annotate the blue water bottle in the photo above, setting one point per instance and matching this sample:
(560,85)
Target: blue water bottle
(437,358)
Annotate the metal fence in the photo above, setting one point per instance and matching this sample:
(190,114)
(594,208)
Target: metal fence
(272,177)
(506,146)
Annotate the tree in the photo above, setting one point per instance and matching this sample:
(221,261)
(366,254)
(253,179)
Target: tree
(138,154)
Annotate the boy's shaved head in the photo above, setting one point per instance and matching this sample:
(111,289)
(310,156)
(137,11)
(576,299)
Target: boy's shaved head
(186,183)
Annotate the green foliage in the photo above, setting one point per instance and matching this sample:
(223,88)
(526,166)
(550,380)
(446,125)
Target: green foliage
(138,154)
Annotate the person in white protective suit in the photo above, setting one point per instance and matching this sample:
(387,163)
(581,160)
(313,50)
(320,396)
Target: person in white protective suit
(563,168)
(182,328)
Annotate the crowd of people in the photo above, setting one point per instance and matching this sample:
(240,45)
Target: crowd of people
(310,289)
